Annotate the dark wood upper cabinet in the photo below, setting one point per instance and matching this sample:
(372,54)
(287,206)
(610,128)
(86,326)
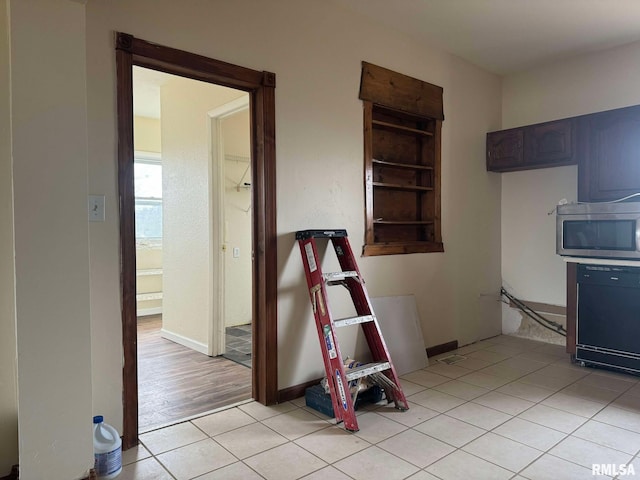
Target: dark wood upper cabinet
(549,144)
(505,150)
(609,166)
(605,145)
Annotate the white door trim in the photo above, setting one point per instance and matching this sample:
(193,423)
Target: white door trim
(217,230)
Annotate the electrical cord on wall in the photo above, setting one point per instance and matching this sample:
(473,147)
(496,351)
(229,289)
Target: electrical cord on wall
(545,322)
(564,202)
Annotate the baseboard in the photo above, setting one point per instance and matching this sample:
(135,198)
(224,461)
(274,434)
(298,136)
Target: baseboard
(542,307)
(14,475)
(297,391)
(184,341)
(442,348)
(145,312)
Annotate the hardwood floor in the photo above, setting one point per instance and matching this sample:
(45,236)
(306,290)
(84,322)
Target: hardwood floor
(175,382)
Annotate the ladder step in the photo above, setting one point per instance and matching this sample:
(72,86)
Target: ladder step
(304,234)
(367,369)
(380,371)
(335,277)
(343,322)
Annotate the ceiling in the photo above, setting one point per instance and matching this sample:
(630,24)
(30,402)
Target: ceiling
(501,36)
(146,91)
(506,36)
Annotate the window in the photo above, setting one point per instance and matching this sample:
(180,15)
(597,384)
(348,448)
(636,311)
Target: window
(148,193)
(402,124)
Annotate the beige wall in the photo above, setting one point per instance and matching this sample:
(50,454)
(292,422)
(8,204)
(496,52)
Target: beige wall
(8,355)
(147,136)
(585,84)
(49,96)
(320,158)
(187,206)
(238,301)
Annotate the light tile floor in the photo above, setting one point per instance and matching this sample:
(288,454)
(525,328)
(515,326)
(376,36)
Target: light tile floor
(514,409)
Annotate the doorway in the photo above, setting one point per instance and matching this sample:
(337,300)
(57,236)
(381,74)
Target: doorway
(231,334)
(193,246)
(260,86)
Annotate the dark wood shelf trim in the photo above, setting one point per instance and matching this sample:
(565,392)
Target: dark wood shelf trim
(395,186)
(403,222)
(396,248)
(402,128)
(410,166)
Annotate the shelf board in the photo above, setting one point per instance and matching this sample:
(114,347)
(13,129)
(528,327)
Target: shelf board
(401,128)
(148,271)
(384,163)
(145,297)
(395,186)
(396,248)
(403,222)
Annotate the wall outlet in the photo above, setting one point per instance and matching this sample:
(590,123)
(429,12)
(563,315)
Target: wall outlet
(96,208)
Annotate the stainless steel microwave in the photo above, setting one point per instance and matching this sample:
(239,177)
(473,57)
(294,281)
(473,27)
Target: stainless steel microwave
(600,230)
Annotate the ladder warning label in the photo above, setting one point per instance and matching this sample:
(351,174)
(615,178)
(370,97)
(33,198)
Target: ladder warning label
(311,259)
(328,338)
(343,396)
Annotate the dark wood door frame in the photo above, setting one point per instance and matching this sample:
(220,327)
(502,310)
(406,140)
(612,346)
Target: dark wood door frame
(132,51)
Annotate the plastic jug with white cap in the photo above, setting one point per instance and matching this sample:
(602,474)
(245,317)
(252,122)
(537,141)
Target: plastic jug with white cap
(107,449)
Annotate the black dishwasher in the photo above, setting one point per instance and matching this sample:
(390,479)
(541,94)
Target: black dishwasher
(608,323)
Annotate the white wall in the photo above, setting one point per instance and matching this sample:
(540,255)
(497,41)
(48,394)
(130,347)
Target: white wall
(585,84)
(49,140)
(8,355)
(316,50)
(187,209)
(238,290)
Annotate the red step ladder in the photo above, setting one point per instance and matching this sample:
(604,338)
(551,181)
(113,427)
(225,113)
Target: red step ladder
(381,371)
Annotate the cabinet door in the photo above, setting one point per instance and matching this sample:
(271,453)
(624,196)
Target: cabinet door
(550,144)
(505,150)
(610,144)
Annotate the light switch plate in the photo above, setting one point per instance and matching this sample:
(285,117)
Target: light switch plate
(96,208)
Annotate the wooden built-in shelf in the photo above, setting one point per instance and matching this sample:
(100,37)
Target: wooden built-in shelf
(401,128)
(399,248)
(410,166)
(403,222)
(397,186)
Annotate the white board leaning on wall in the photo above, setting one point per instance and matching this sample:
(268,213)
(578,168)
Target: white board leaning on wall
(400,326)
